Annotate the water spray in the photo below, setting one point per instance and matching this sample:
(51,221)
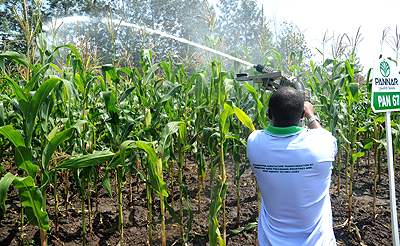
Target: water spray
(183,40)
(270,79)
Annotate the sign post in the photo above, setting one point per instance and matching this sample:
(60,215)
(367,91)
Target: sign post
(386,98)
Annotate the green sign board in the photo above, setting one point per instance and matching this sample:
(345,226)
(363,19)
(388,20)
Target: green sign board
(385,86)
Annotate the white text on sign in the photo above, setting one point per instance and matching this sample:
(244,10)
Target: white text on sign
(388,100)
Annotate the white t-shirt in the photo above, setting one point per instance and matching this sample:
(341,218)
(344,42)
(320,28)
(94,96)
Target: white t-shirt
(293,169)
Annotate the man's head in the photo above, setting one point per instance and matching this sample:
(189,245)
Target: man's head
(286,107)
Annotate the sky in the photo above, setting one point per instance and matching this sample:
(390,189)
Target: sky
(315,17)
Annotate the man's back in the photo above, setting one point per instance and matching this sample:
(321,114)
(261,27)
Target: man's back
(293,166)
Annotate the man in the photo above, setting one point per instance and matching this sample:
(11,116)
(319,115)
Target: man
(293,170)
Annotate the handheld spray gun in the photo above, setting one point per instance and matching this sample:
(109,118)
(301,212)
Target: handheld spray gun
(272,80)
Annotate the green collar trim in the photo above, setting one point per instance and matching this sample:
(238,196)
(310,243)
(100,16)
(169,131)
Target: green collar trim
(283,131)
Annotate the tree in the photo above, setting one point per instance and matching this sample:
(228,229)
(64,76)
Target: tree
(291,41)
(244,30)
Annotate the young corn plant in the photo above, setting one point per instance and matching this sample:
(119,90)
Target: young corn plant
(82,167)
(119,128)
(199,123)
(157,163)
(352,98)
(30,100)
(223,86)
(329,89)
(225,111)
(239,131)
(379,141)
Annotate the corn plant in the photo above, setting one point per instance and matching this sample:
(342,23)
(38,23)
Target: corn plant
(239,130)
(223,86)
(156,165)
(118,130)
(199,104)
(379,142)
(29,107)
(29,193)
(224,112)
(81,166)
(329,89)
(352,98)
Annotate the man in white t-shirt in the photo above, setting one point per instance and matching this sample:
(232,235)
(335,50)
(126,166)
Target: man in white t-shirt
(293,170)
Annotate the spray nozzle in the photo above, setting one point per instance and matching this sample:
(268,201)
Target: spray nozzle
(259,68)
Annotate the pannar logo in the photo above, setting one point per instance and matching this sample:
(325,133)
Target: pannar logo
(385,69)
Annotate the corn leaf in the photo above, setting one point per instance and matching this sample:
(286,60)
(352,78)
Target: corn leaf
(356,155)
(15,57)
(125,94)
(122,150)
(33,107)
(21,97)
(352,92)
(175,73)
(244,118)
(327,62)
(127,71)
(278,58)
(171,93)
(71,47)
(219,192)
(106,182)
(171,211)
(150,74)
(23,155)
(52,146)
(254,93)
(300,58)
(350,71)
(96,158)
(380,119)
(223,119)
(240,229)
(31,84)
(237,138)
(111,71)
(112,111)
(4,185)
(23,160)
(14,136)
(169,129)
(166,69)
(2,65)
(156,182)
(30,197)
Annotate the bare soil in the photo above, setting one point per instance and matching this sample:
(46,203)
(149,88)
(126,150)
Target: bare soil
(363,230)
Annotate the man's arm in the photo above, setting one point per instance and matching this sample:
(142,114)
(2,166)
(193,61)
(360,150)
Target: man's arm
(308,113)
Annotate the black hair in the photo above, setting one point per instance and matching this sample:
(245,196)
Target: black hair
(286,106)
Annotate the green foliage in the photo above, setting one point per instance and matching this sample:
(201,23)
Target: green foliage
(219,193)
(23,155)
(29,195)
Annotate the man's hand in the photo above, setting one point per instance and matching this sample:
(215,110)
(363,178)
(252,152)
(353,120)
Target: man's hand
(308,113)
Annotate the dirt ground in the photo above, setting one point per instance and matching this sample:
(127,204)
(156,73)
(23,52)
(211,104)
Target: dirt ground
(105,222)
